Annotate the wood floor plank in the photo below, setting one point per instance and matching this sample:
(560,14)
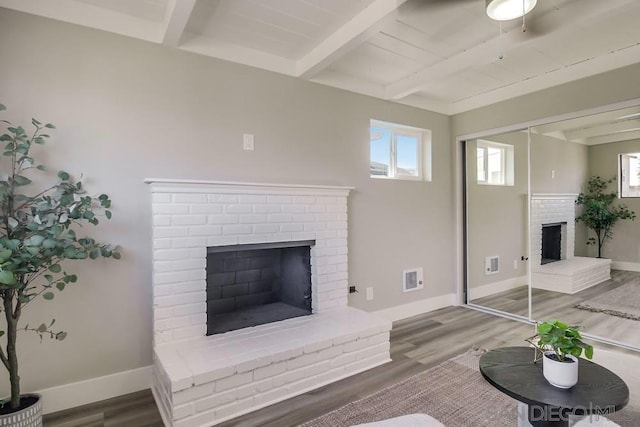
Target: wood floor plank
(556,305)
(417,344)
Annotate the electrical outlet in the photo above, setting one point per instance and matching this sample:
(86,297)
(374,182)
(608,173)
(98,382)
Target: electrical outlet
(369,294)
(515,264)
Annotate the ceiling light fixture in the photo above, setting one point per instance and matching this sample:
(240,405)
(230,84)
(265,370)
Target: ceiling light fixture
(504,10)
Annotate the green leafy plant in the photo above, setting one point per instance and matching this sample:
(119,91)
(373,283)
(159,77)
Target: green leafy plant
(37,233)
(562,339)
(600,213)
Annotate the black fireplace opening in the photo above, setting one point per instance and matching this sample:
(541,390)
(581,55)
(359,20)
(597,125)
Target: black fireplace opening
(551,243)
(250,285)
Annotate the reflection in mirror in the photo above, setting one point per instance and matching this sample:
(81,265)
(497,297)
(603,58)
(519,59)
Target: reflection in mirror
(568,281)
(496,216)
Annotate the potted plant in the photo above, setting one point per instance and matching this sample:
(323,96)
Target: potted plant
(38,226)
(561,345)
(600,214)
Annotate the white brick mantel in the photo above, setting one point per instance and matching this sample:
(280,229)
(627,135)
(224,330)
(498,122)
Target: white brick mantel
(202,380)
(189,216)
(162,185)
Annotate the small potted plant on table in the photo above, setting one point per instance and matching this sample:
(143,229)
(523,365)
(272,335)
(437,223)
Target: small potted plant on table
(37,233)
(560,345)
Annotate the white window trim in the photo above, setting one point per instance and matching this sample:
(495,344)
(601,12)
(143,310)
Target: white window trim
(507,166)
(424,151)
(626,191)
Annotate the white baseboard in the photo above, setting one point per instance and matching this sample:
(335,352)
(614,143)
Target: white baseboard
(496,287)
(627,266)
(67,396)
(417,307)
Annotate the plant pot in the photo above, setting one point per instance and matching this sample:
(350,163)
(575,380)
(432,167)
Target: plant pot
(29,416)
(560,374)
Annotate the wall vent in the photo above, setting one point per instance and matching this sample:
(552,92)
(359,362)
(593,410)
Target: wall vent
(491,265)
(412,279)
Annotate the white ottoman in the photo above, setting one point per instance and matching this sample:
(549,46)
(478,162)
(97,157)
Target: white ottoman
(413,420)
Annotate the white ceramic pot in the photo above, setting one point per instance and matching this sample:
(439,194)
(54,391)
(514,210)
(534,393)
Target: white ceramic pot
(560,374)
(31,416)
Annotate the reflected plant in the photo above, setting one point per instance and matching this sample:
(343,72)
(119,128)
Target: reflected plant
(37,233)
(600,213)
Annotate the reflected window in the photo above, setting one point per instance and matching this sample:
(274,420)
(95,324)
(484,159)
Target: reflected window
(629,178)
(495,163)
(399,152)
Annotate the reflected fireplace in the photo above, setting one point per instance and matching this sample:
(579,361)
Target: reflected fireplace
(552,242)
(255,284)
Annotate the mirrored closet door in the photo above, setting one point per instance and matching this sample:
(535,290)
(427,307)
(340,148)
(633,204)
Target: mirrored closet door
(572,283)
(526,255)
(497,183)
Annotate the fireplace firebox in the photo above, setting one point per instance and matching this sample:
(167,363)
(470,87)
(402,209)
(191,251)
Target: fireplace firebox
(551,243)
(250,285)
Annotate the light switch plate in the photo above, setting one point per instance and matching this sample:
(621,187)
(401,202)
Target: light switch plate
(248,142)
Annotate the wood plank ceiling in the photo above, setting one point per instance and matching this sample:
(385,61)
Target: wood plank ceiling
(440,55)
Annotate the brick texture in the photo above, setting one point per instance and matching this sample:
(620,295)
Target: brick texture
(186,221)
(551,209)
(298,355)
(195,381)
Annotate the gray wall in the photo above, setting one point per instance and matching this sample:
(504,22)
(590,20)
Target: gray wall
(596,91)
(603,161)
(569,161)
(127,110)
(497,216)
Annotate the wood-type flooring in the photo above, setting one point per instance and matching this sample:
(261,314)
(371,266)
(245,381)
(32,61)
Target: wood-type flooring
(417,343)
(549,304)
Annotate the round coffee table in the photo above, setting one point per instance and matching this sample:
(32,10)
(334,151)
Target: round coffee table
(512,371)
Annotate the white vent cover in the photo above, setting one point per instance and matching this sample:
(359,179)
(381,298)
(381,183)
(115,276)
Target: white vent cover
(491,265)
(412,279)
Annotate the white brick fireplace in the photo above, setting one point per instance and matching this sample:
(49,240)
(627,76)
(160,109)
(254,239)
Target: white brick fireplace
(552,209)
(200,380)
(571,274)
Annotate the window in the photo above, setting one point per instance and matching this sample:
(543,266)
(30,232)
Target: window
(629,175)
(399,152)
(495,163)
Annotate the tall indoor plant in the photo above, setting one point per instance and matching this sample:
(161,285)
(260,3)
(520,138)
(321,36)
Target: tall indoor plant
(38,226)
(600,213)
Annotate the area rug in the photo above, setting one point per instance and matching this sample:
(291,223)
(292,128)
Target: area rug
(623,301)
(454,393)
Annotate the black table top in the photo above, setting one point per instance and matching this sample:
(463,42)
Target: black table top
(512,371)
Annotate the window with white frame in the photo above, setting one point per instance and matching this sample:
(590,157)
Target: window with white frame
(399,152)
(495,163)
(629,175)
